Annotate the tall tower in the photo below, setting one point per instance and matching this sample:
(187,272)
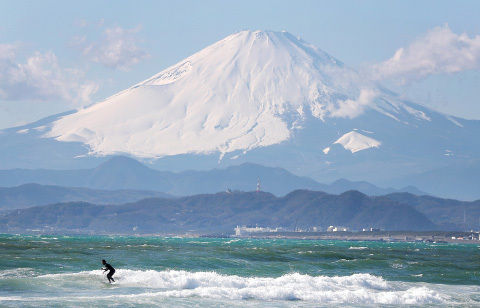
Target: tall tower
(258,185)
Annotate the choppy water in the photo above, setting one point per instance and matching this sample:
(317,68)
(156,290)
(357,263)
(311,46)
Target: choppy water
(46,271)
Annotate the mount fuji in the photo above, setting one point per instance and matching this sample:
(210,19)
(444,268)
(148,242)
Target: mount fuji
(256,96)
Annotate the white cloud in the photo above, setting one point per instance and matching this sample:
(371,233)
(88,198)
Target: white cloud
(350,108)
(41,78)
(117,48)
(439,51)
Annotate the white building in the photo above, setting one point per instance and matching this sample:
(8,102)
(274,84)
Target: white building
(336,229)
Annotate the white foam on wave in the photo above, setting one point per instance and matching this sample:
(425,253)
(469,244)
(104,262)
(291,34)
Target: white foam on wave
(353,289)
(17,273)
(358,248)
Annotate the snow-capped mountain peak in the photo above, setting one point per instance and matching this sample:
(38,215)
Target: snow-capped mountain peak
(252,89)
(259,97)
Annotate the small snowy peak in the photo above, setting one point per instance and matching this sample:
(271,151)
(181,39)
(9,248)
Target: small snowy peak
(354,142)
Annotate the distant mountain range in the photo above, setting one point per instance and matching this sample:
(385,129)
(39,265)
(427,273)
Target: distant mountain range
(28,195)
(220,212)
(448,214)
(393,211)
(126,173)
(460,180)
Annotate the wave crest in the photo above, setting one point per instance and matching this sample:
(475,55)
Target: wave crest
(353,289)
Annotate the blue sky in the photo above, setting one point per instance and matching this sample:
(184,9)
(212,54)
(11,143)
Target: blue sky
(89,50)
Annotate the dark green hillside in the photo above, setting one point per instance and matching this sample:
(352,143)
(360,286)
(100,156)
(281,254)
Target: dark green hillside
(222,212)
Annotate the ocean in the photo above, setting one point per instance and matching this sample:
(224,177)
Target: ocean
(65,271)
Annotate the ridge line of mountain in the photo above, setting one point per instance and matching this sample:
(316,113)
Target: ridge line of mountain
(221,212)
(127,173)
(351,208)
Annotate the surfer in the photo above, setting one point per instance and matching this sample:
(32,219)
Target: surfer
(109,268)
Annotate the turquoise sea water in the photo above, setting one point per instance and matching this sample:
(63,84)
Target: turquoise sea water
(57,271)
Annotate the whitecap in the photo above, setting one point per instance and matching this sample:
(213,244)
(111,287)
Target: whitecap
(355,289)
(17,272)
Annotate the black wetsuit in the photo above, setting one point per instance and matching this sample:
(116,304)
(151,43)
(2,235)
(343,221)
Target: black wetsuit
(111,270)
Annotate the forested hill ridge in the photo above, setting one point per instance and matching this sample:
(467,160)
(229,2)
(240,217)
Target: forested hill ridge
(221,212)
(450,214)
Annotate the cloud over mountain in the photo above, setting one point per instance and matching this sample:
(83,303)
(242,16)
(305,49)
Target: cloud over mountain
(41,78)
(117,48)
(351,108)
(440,50)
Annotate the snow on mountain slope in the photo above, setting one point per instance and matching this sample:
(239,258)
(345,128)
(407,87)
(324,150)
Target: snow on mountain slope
(266,98)
(252,89)
(354,142)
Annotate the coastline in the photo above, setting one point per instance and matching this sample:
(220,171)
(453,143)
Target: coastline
(382,236)
(458,237)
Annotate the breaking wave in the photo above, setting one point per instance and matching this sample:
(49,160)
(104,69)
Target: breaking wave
(353,289)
